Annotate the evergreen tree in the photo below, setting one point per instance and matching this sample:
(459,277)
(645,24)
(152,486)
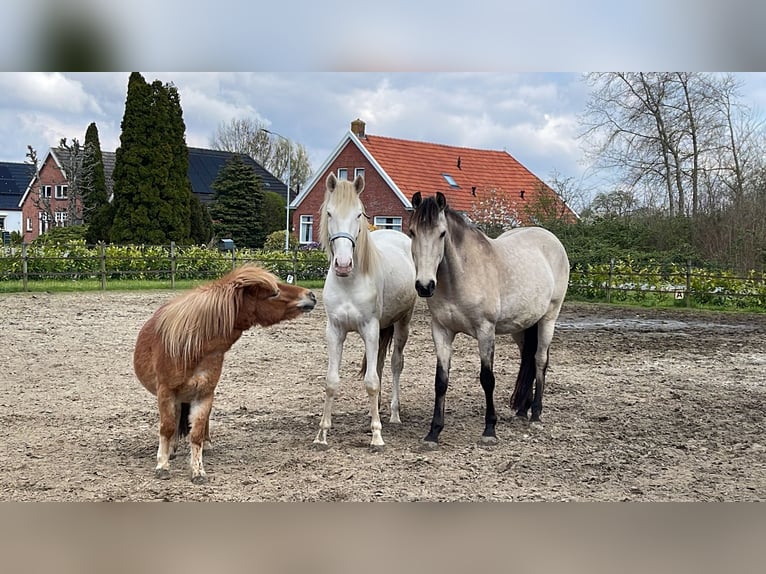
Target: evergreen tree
(273,213)
(237,206)
(201,224)
(152,193)
(96,207)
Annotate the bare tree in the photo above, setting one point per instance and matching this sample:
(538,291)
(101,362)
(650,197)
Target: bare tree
(246,136)
(674,130)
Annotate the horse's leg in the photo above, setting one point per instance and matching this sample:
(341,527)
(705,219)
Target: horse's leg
(198,417)
(401,334)
(443,343)
(521,399)
(335,338)
(370,332)
(487,378)
(168,407)
(544,338)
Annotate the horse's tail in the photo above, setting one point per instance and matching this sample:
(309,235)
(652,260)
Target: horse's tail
(384,344)
(522,394)
(183,424)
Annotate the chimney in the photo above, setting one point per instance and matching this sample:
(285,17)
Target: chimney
(357,128)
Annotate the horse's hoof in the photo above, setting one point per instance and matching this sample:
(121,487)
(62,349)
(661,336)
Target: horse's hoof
(429,445)
(395,421)
(162,473)
(535,419)
(488,441)
(377,448)
(199,479)
(321,446)
(172,456)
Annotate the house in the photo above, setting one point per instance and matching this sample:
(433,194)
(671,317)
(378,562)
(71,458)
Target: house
(45,203)
(394,169)
(14,179)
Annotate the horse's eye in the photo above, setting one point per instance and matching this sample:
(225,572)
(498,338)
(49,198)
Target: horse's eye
(276,293)
(411,233)
(358,216)
(442,234)
(329,215)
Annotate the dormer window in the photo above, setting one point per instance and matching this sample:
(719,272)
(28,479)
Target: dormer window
(450,180)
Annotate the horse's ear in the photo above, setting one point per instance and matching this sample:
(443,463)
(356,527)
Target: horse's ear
(441,201)
(359,184)
(331,182)
(416,200)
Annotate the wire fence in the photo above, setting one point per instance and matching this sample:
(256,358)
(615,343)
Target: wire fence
(80,266)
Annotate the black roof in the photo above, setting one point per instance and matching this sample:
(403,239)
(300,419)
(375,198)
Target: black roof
(14,179)
(204,165)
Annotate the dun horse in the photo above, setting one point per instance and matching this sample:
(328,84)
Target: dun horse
(370,289)
(179,352)
(485,287)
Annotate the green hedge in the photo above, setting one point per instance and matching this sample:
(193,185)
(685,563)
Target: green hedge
(626,280)
(76,260)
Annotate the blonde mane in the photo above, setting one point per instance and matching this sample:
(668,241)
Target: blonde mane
(208,312)
(342,199)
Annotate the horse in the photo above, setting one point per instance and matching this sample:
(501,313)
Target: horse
(484,287)
(179,352)
(369,289)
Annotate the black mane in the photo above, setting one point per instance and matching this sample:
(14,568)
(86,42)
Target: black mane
(427,214)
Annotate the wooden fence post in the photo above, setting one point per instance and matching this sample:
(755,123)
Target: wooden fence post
(609,282)
(24,267)
(172,264)
(295,266)
(102,265)
(688,282)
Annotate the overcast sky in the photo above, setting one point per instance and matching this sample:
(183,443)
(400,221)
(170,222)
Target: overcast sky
(533,116)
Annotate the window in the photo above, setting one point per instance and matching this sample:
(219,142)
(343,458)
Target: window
(29,224)
(307,229)
(44,223)
(358,171)
(60,218)
(45,191)
(342,173)
(61,191)
(450,180)
(2,222)
(382,222)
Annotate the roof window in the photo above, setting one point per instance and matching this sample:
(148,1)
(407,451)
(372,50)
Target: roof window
(450,180)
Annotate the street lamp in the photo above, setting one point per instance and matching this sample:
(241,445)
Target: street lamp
(287,195)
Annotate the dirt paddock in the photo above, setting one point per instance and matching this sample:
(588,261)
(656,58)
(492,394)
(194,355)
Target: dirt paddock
(641,404)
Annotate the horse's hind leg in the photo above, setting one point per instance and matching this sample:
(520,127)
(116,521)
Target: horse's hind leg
(545,336)
(198,417)
(401,334)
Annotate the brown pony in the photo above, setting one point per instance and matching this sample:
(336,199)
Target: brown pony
(179,352)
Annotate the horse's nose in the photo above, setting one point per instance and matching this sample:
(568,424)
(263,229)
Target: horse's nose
(427,290)
(312,297)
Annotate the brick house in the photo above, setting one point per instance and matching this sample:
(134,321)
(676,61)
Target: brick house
(394,169)
(45,202)
(52,184)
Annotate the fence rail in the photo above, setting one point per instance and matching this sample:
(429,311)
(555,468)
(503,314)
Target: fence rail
(110,265)
(107,266)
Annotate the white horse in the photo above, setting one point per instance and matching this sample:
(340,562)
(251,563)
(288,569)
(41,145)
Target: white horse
(484,287)
(370,289)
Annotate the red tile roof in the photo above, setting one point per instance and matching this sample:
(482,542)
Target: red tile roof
(419,166)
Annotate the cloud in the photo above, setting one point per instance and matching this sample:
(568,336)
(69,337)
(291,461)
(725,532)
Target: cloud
(47,91)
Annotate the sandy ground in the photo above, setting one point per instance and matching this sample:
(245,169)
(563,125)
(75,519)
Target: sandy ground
(642,405)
